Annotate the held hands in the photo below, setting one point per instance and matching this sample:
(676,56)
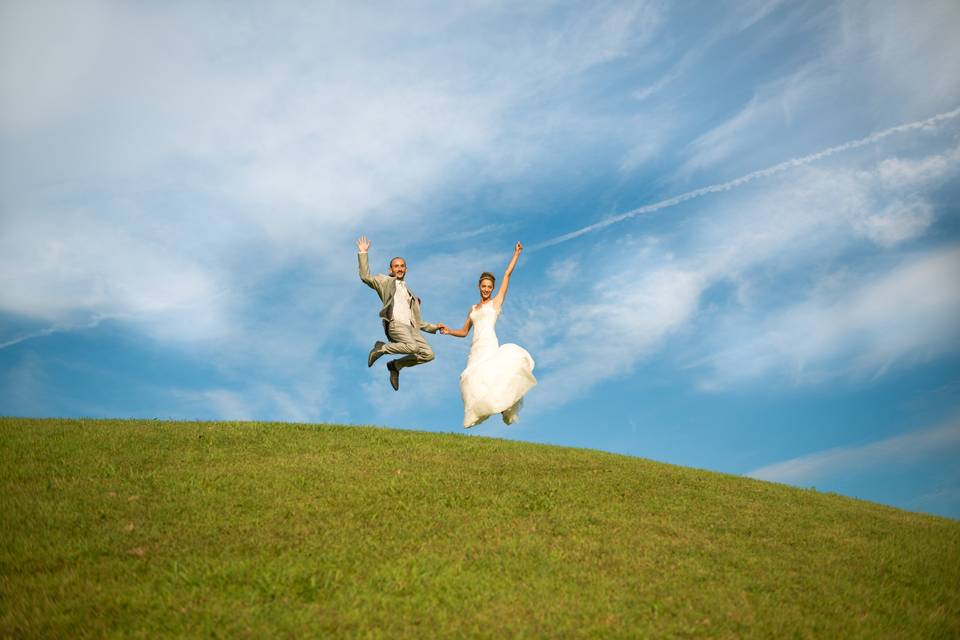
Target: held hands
(442,328)
(363,244)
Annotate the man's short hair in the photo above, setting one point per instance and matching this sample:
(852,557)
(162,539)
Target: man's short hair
(396,258)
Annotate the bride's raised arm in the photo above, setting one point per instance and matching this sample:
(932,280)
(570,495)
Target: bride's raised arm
(459,333)
(502,294)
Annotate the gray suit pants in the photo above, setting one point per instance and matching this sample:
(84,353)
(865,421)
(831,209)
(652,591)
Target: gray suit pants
(405,339)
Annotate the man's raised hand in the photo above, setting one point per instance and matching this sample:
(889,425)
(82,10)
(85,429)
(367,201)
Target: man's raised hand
(363,244)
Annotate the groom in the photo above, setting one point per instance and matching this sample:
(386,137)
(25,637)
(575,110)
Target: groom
(400,316)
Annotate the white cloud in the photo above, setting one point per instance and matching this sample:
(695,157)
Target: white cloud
(56,328)
(897,222)
(867,63)
(166,165)
(224,403)
(930,124)
(832,321)
(683,56)
(263,143)
(906,173)
(907,54)
(78,268)
(304,400)
(562,271)
(772,108)
(582,334)
(822,210)
(38,82)
(860,328)
(791,227)
(890,454)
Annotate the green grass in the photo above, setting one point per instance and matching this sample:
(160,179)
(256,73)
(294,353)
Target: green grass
(149,529)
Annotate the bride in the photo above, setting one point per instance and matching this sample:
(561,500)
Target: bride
(497,375)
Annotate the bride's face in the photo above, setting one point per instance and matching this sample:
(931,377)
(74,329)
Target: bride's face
(486,288)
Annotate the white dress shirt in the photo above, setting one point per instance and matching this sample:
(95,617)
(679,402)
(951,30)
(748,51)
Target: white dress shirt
(401,304)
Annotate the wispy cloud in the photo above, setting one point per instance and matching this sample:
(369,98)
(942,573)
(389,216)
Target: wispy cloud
(892,453)
(908,314)
(66,267)
(306,400)
(56,328)
(350,119)
(591,324)
(224,403)
(882,63)
(873,138)
(174,167)
(904,56)
(828,322)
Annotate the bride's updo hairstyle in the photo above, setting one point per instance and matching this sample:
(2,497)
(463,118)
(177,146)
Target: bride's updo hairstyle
(486,275)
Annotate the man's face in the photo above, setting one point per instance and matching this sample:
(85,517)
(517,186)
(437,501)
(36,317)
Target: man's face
(398,268)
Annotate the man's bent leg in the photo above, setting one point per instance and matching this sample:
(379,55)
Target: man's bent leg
(422,354)
(403,339)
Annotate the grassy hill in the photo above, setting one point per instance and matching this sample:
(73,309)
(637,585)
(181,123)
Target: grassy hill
(148,528)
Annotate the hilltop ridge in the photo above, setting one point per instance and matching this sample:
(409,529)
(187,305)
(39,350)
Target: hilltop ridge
(142,527)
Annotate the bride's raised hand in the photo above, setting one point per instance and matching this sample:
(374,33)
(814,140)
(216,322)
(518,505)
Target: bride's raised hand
(517,249)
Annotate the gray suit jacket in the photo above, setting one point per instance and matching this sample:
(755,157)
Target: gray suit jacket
(386,288)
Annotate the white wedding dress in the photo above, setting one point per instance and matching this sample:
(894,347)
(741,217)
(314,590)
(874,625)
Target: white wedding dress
(497,375)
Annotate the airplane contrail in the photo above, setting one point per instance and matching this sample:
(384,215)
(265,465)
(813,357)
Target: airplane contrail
(761,173)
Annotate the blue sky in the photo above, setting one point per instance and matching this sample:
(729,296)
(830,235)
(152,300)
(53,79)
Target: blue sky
(741,218)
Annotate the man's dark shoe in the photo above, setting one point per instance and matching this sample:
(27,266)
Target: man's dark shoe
(374,353)
(394,375)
